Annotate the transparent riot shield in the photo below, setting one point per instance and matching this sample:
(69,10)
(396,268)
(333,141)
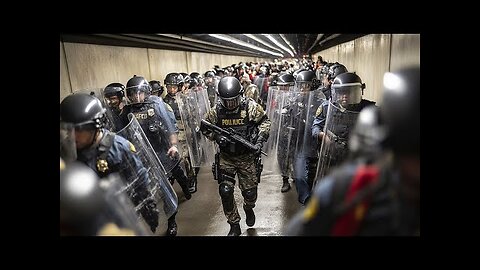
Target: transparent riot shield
(68,150)
(193,105)
(211,85)
(146,179)
(334,148)
(158,124)
(120,206)
(306,148)
(262,83)
(282,140)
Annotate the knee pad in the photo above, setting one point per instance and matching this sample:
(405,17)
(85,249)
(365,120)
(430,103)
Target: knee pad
(250,194)
(226,191)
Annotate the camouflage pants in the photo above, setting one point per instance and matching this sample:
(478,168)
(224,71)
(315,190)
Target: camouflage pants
(244,167)
(189,170)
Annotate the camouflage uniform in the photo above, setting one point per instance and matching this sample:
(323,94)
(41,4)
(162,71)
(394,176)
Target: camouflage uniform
(250,118)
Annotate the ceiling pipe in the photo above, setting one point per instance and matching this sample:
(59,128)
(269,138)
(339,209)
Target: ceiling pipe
(189,43)
(328,38)
(319,36)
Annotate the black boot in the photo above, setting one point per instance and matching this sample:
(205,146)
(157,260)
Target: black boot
(193,185)
(286,185)
(250,220)
(172,227)
(234,230)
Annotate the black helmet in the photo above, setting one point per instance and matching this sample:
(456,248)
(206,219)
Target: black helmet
(82,110)
(193,82)
(230,92)
(336,69)
(347,89)
(157,88)
(173,79)
(304,80)
(195,75)
(284,79)
(209,74)
(185,76)
(138,84)
(400,110)
(114,89)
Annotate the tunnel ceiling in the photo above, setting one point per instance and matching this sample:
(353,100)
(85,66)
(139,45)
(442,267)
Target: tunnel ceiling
(229,44)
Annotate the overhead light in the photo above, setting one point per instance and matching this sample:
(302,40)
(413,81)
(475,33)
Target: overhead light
(286,41)
(245,44)
(278,44)
(263,42)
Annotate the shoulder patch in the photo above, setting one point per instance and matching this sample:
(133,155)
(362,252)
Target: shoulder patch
(319,110)
(132,147)
(311,210)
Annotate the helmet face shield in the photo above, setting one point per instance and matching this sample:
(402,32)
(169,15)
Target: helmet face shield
(136,96)
(231,103)
(347,95)
(303,86)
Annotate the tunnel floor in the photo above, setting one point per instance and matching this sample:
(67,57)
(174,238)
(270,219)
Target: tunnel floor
(203,215)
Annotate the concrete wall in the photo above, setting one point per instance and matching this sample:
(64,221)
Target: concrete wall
(65,87)
(372,55)
(85,66)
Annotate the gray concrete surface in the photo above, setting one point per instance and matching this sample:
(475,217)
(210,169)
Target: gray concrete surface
(202,215)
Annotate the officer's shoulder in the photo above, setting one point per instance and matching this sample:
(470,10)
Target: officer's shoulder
(366,102)
(123,143)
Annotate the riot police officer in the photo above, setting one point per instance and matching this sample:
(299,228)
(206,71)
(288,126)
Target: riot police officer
(285,82)
(306,157)
(114,95)
(345,104)
(211,84)
(380,197)
(248,119)
(157,88)
(84,138)
(328,74)
(159,126)
(173,82)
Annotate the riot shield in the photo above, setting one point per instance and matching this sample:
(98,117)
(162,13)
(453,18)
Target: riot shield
(68,149)
(334,148)
(282,140)
(307,105)
(305,162)
(193,105)
(148,186)
(159,126)
(211,85)
(262,83)
(121,206)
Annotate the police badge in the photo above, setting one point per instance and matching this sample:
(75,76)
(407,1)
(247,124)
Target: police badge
(150,112)
(243,113)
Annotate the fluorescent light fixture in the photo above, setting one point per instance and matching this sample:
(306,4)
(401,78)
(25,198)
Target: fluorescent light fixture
(263,42)
(245,44)
(286,41)
(278,44)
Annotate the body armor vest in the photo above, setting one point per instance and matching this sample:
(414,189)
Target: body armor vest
(152,124)
(173,103)
(238,121)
